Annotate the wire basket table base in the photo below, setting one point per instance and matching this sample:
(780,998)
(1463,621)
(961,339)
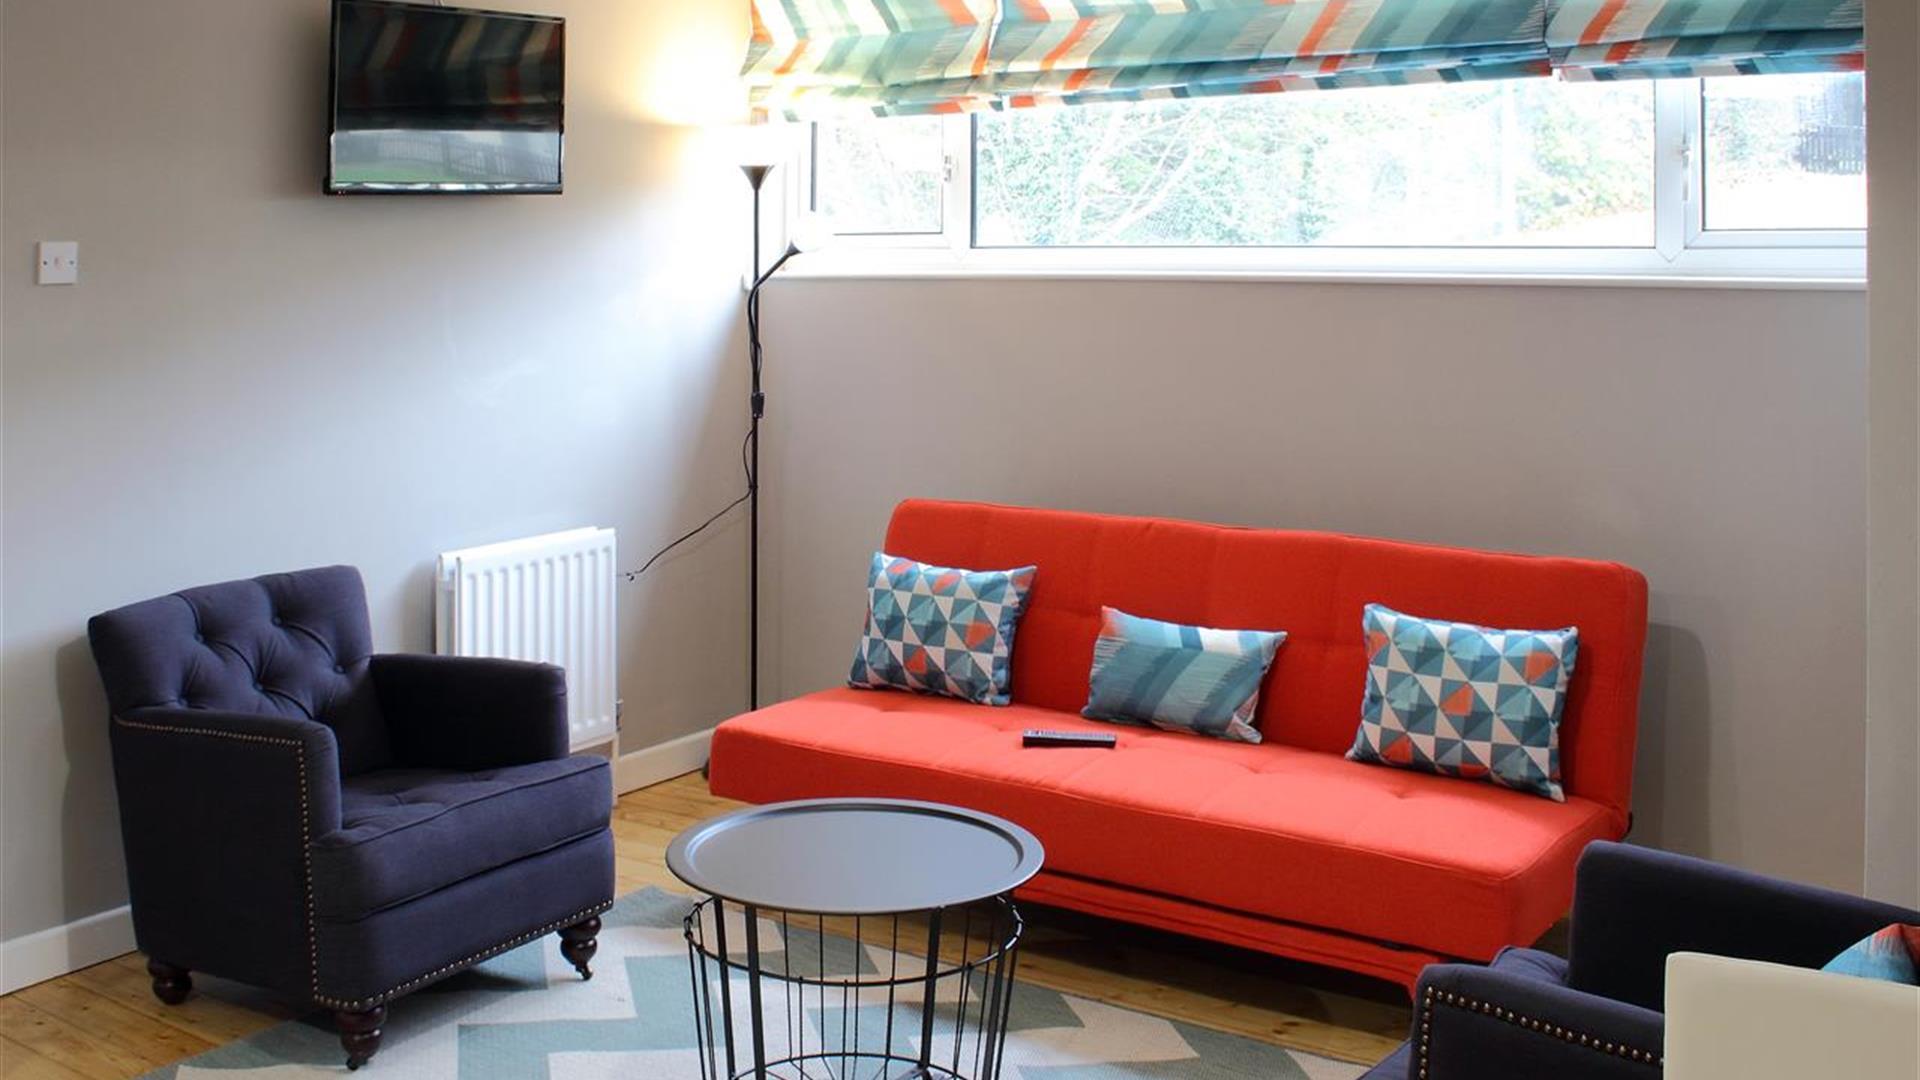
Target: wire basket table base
(781,995)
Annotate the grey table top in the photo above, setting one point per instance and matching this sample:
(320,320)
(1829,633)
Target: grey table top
(855,856)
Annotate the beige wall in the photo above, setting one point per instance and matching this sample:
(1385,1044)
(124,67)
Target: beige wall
(253,377)
(1713,439)
(1893,705)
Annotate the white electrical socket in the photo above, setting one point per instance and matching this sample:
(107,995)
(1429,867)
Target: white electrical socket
(59,262)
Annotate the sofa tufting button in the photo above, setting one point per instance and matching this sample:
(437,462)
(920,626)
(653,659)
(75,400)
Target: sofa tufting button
(339,670)
(257,686)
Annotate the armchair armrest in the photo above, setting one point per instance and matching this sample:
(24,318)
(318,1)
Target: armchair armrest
(460,712)
(1475,1023)
(218,811)
(1634,906)
(168,759)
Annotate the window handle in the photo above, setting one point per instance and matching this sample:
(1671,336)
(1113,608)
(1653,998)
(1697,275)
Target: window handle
(1685,151)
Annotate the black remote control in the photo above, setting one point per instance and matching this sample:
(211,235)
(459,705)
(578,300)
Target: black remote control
(1095,739)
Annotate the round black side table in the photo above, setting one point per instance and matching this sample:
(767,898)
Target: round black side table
(831,924)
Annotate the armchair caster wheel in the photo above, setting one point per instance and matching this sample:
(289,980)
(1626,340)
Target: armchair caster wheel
(579,942)
(170,984)
(360,1034)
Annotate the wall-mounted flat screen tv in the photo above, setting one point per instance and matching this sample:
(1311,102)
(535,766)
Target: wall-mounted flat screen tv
(430,99)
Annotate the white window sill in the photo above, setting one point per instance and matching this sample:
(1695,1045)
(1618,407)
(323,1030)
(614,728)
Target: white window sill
(1786,269)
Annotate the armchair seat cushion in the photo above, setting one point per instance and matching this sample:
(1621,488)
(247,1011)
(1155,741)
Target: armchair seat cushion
(409,832)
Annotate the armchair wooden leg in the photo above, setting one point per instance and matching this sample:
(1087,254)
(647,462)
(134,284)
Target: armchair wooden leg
(170,984)
(579,942)
(360,1033)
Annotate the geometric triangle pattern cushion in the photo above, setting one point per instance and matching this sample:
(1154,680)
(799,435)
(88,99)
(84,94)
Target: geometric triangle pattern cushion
(939,630)
(1466,701)
(1891,953)
(1179,678)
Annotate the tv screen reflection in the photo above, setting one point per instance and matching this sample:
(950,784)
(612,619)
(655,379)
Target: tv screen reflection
(429,99)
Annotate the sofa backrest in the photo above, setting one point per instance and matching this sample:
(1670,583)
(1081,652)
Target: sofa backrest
(292,644)
(1314,586)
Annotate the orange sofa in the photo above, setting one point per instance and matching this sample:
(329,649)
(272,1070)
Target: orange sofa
(1286,846)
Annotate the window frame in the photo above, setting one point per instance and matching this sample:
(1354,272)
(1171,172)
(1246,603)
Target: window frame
(1684,251)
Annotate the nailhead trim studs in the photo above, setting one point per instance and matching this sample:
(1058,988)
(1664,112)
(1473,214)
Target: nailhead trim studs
(448,969)
(1434,997)
(306,823)
(306,856)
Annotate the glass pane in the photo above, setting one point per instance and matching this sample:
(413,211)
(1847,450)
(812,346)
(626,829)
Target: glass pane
(1786,152)
(880,176)
(1522,162)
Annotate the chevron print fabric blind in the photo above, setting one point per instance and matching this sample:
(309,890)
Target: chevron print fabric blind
(888,56)
(1614,39)
(892,57)
(1079,51)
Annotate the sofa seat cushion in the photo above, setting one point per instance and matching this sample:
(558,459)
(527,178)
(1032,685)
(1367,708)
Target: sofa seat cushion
(408,832)
(1272,830)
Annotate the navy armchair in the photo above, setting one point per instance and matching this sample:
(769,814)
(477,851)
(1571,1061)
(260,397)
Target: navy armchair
(1598,1015)
(340,827)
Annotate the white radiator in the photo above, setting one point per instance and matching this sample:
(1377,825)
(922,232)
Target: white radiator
(547,598)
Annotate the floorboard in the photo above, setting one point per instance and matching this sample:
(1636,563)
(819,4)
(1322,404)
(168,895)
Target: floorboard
(104,1023)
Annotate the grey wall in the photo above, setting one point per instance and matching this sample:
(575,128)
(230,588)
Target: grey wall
(252,377)
(1893,702)
(1713,439)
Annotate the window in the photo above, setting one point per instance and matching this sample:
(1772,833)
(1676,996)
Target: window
(1786,152)
(882,177)
(1501,163)
(1738,176)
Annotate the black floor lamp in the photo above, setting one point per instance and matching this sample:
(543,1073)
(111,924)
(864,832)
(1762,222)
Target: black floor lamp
(801,239)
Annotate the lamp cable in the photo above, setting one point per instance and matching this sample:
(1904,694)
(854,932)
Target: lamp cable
(758,405)
(752,484)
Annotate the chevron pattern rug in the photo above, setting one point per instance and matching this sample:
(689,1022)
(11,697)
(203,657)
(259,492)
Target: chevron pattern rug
(526,1014)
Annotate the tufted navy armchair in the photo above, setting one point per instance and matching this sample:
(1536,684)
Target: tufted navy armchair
(1600,1014)
(340,827)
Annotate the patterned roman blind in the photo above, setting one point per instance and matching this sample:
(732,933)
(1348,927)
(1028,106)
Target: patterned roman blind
(1614,39)
(1076,51)
(809,57)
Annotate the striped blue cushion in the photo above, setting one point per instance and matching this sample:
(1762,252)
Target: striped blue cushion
(1180,678)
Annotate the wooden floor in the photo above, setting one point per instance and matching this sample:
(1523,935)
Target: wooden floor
(104,1022)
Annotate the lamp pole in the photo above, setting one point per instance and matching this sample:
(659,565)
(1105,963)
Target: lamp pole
(757,406)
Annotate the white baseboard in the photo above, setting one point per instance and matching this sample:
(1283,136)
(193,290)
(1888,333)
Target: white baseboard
(53,952)
(631,772)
